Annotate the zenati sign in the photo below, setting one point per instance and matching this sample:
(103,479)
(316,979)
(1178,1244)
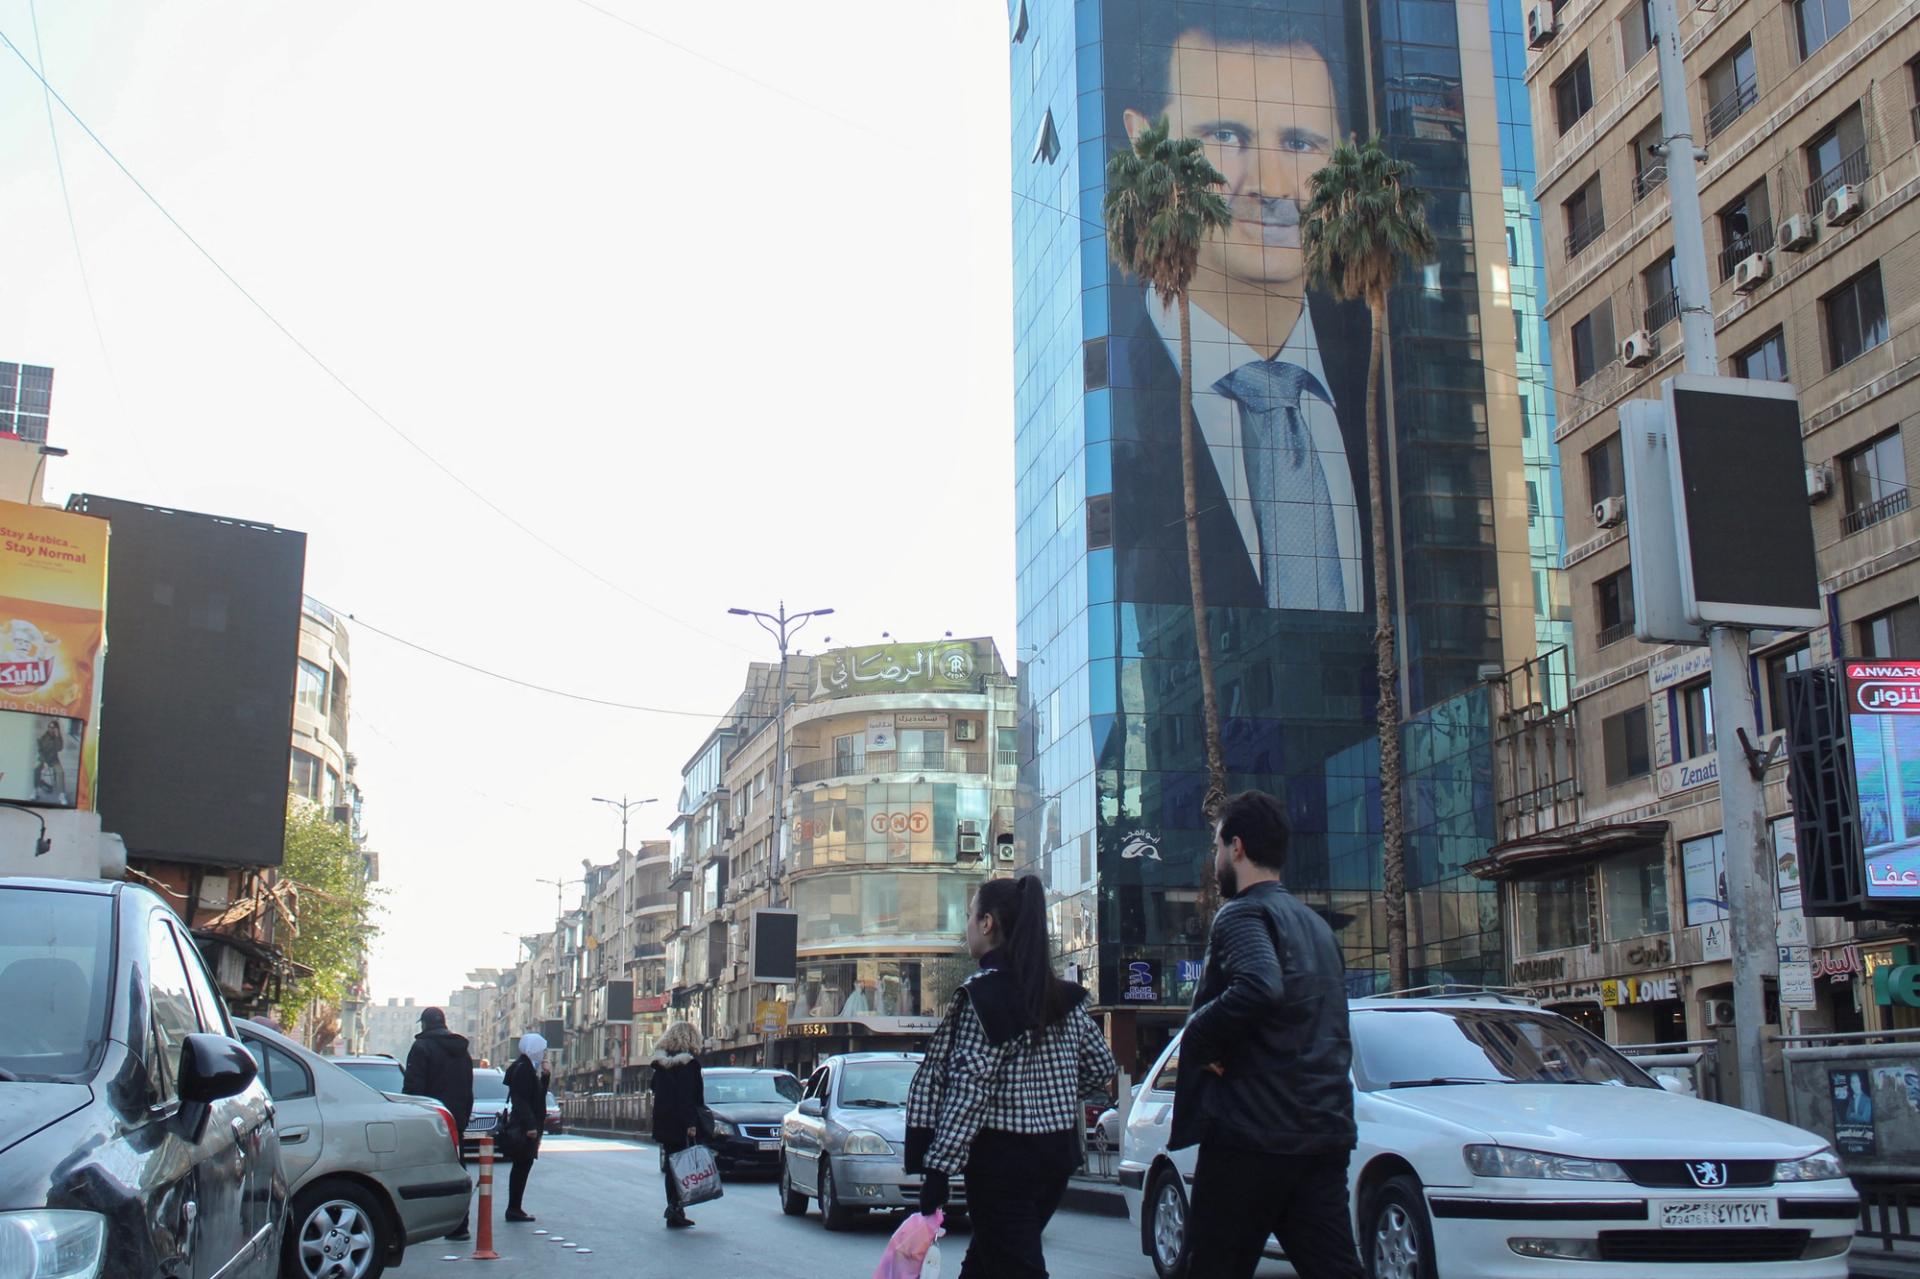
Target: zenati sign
(1883,688)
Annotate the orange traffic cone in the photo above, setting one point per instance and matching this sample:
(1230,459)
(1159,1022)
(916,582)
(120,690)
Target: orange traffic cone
(483,1236)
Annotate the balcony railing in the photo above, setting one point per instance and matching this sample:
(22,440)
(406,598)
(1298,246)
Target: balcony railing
(1913,114)
(1740,248)
(1662,311)
(1730,108)
(1862,517)
(1582,233)
(1615,633)
(1648,180)
(875,763)
(1849,172)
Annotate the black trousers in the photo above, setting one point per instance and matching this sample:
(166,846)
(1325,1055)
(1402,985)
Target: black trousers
(1242,1196)
(517,1182)
(1014,1185)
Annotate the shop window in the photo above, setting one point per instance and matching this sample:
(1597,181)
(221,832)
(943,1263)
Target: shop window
(1635,888)
(1554,913)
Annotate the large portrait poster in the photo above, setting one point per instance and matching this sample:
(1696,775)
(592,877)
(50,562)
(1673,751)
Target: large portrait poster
(53,599)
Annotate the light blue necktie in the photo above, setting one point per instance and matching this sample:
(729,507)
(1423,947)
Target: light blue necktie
(1299,554)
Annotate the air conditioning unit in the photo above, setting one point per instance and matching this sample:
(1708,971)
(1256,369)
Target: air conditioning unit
(1638,349)
(1719,1012)
(1750,272)
(1795,234)
(1610,512)
(1819,481)
(1540,28)
(966,730)
(973,844)
(1843,206)
(1006,852)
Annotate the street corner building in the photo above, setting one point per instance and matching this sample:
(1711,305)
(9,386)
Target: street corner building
(1111,749)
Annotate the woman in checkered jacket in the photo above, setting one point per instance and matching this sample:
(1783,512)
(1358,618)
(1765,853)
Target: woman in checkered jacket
(998,1098)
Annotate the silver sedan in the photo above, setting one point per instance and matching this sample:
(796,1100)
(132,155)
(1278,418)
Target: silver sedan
(844,1143)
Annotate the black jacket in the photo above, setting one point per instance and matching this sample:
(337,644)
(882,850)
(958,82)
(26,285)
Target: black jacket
(527,1094)
(679,1099)
(438,1067)
(1271,1010)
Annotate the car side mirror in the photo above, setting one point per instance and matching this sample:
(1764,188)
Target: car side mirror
(213,1067)
(813,1108)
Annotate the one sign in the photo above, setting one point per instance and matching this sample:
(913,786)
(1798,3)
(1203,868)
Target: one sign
(1716,941)
(1883,715)
(771,1014)
(1796,985)
(949,667)
(920,719)
(1638,990)
(53,601)
(1659,614)
(880,733)
(1743,532)
(1142,984)
(774,946)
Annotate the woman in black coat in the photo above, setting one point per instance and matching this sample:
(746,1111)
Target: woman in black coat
(680,1117)
(527,1084)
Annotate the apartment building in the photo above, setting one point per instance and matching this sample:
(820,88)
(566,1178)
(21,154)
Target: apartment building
(1611,854)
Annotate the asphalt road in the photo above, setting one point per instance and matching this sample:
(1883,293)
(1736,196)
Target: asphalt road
(600,1204)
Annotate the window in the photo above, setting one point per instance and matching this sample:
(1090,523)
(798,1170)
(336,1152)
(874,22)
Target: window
(849,753)
(1732,88)
(1093,364)
(1519,333)
(713,887)
(1649,168)
(1818,21)
(1533,502)
(1624,739)
(1875,479)
(1663,299)
(285,1078)
(1765,360)
(1636,31)
(1836,158)
(923,748)
(1746,228)
(1099,521)
(170,993)
(1006,750)
(1779,666)
(1169,1077)
(1894,633)
(1573,94)
(1614,597)
(1703,869)
(305,778)
(310,687)
(1635,890)
(1913,76)
(1856,317)
(1592,341)
(1553,913)
(1696,720)
(1586,218)
(1605,478)
(1046,143)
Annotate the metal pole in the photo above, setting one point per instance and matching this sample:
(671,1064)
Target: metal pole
(1750,900)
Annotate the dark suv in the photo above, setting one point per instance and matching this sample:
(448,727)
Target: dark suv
(134,1136)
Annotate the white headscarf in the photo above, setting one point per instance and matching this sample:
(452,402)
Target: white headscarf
(534,1047)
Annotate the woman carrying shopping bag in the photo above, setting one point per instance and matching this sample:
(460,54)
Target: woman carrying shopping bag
(998,1097)
(527,1083)
(680,1116)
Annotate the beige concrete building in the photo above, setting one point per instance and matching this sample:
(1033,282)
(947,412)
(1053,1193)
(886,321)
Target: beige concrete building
(1610,825)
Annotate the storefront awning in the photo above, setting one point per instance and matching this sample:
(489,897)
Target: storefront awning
(1538,853)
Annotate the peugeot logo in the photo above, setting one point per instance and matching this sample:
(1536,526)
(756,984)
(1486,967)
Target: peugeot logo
(1708,1174)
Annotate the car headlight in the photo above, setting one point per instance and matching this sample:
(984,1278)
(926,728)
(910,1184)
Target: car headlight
(52,1243)
(721,1128)
(861,1142)
(1821,1165)
(1505,1161)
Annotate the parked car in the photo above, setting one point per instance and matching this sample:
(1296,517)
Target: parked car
(1500,1140)
(377,1070)
(135,1135)
(370,1174)
(553,1124)
(489,1106)
(748,1107)
(844,1142)
(1106,1129)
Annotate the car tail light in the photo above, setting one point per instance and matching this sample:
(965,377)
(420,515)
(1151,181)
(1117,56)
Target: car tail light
(453,1132)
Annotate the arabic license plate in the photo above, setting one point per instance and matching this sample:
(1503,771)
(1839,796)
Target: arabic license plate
(769,1145)
(1715,1214)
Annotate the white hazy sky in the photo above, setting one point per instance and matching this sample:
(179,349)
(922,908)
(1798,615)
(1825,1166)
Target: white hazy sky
(721,341)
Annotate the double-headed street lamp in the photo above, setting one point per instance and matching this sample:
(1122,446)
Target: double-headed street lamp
(625,806)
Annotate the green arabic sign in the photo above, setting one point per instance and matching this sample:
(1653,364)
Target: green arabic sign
(896,668)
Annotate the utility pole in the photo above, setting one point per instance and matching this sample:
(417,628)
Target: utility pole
(626,806)
(783,626)
(1750,901)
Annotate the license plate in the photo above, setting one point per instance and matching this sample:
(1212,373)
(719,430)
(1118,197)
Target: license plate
(769,1145)
(1711,1214)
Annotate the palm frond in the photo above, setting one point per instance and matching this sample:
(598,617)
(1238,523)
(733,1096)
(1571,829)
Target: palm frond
(1161,203)
(1365,222)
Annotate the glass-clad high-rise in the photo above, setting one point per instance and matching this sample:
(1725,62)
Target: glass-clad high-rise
(1113,760)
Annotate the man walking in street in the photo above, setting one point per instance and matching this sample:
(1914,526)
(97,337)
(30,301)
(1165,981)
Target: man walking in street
(1263,1089)
(439,1067)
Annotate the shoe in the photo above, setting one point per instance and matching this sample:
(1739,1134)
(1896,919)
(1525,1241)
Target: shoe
(458,1236)
(679,1221)
(513,1214)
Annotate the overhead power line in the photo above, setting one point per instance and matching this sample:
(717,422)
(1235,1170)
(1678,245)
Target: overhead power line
(335,377)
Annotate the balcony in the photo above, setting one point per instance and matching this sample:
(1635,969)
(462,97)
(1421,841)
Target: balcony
(1740,248)
(1851,171)
(879,763)
(1865,517)
(1661,312)
(1615,633)
(649,950)
(1648,180)
(647,903)
(1730,108)
(1584,232)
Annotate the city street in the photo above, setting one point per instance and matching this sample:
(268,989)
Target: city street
(605,1196)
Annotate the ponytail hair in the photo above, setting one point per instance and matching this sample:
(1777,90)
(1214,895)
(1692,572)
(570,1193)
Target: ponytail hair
(1019,910)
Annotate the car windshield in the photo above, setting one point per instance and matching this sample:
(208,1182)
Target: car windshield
(385,1076)
(877,1085)
(772,1090)
(489,1085)
(56,973)
(1426,1047)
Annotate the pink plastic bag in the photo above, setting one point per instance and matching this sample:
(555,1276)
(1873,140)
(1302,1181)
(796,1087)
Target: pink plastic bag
(912,1247)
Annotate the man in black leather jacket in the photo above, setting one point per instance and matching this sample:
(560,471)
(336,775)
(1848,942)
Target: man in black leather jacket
(1263,1087)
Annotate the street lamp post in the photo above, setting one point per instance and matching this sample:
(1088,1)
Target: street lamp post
(783,626)
(559,927)
(626,806)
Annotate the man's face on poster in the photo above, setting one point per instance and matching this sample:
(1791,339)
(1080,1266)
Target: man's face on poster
(1268,116)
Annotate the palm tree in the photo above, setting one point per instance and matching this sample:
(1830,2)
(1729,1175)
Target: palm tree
(1366,223)
(1162,202)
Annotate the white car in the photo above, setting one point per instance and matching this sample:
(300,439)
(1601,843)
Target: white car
(1498,1140)
(369,1174)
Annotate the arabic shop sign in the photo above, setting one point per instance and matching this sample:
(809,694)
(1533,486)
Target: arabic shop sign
(1898,981)
(1883,701)
(1639,990)
(1883,688)
(947,667)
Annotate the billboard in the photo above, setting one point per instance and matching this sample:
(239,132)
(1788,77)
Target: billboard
(949,667)
(53,595)
(1883,720)
(197,704)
